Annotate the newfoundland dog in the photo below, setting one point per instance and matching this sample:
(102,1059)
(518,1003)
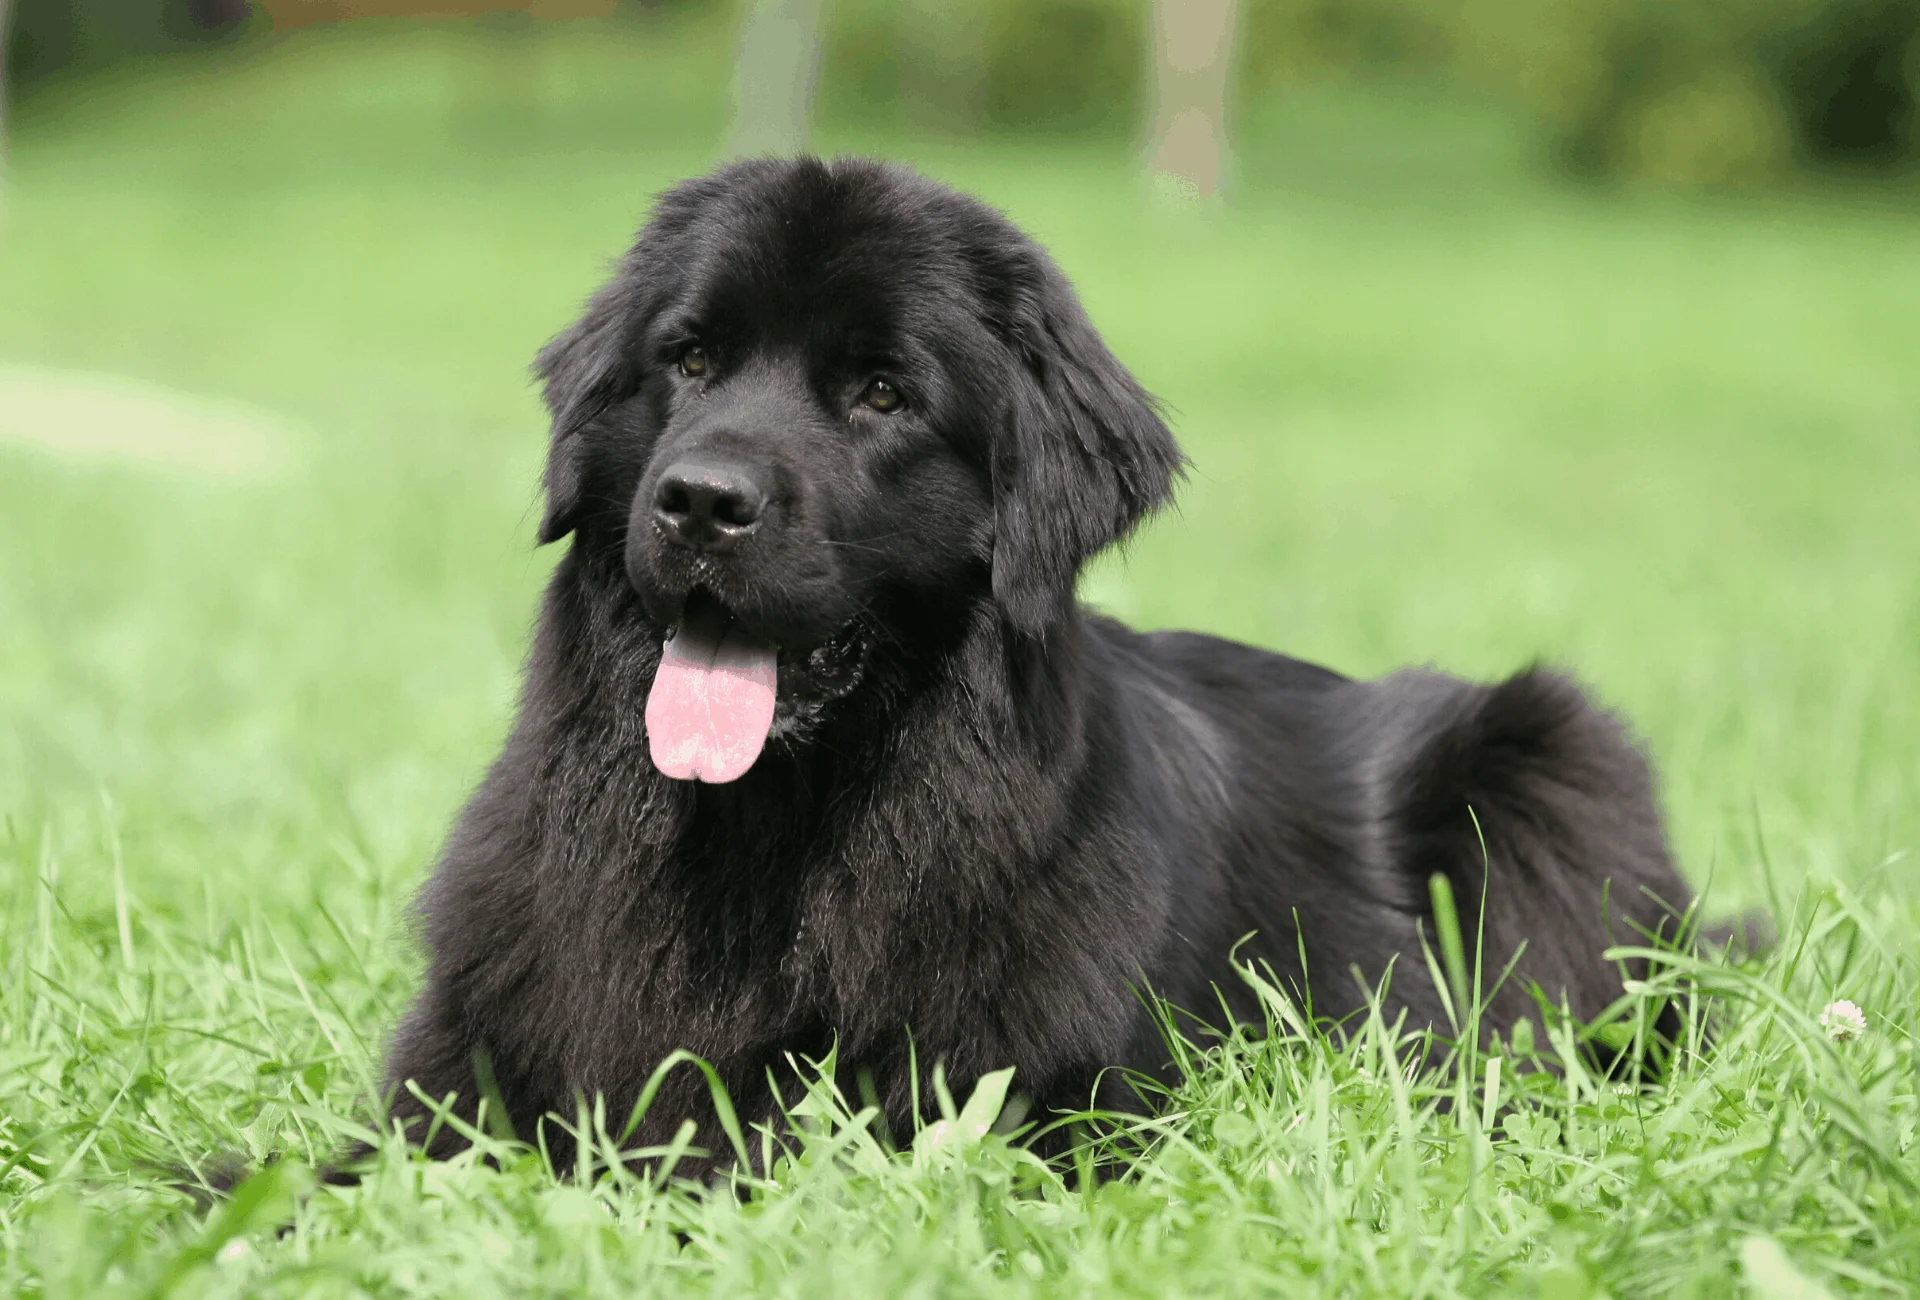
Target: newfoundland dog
(818,752)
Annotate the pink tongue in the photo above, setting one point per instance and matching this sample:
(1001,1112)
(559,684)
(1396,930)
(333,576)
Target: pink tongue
(711,702)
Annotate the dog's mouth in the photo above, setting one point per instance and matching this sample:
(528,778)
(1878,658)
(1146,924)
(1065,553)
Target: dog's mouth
(721,690)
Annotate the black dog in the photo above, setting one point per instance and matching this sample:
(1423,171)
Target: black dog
(817,748)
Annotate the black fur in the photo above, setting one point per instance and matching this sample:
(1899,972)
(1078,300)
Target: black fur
(986,816)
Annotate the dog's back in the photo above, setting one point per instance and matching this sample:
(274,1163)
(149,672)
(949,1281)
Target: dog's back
(1313,810)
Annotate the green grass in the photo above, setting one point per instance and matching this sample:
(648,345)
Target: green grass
(1439,412)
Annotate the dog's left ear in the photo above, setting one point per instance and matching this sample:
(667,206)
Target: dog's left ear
(1083,459)
(583,371)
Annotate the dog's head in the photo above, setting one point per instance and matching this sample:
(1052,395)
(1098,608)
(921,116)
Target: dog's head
(814,389)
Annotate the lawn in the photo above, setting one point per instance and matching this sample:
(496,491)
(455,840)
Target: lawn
(1440,410)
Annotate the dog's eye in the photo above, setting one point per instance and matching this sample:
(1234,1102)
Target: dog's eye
(883,396)
(693,362)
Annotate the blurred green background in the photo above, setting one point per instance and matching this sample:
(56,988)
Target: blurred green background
(1578,332)
(1685,93)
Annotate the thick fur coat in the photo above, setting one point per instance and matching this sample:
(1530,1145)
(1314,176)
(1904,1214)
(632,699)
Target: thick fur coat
(984,818)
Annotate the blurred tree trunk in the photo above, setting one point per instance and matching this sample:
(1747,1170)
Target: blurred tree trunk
(1193,64)
(943,63)
(6,28)
(774,75)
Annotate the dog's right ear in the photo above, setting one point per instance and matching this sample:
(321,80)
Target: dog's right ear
(583,371)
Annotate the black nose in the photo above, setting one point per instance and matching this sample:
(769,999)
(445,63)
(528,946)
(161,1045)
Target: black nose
(708,506)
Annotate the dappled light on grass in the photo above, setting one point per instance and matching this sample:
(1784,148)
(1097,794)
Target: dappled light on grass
(100,419)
